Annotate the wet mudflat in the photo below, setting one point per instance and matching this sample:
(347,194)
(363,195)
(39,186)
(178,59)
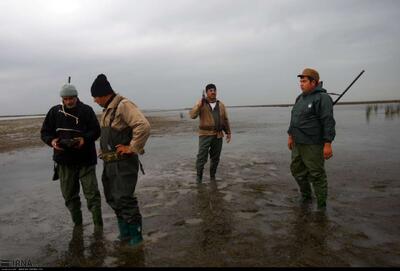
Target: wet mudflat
(249,217)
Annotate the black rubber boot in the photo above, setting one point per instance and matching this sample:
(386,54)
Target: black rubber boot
(97,217)
(77,217)
(199,176)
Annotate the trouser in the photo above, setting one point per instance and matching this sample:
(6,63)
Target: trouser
(208,145)
(307,168)
(69,182)
(119,181)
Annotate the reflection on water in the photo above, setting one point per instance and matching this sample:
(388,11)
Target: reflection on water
(75,256)
(391,111)
(216,220)
(247,219)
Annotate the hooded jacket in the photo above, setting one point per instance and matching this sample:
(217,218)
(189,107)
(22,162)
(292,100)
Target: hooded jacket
(312,119)
(58,124)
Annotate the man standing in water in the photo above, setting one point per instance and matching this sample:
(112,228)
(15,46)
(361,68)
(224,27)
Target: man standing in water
(311,132)
(124,132)
(71,129)
(213,122)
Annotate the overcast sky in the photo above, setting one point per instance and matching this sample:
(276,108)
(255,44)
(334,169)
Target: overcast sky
(161,54)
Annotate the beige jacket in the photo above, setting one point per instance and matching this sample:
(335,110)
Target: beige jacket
(207,125)
(127,115)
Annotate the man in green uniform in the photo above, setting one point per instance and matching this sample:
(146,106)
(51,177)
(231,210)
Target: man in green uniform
(213,122)
(311,132)
(124,132)
(71,129)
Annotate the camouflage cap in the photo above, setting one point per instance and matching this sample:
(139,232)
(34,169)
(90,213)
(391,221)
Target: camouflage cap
(307,72)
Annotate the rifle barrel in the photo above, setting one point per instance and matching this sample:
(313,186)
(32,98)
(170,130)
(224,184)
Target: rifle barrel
(358,76)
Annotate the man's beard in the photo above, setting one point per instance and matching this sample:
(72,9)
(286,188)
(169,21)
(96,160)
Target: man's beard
(70,106)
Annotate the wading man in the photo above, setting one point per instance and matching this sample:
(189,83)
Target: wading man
(213,123)
(71,129)
(124,132)
(311,132)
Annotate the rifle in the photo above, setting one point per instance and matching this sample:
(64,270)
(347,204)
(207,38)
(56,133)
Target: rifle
(69,79)
(203,98)
(341,95)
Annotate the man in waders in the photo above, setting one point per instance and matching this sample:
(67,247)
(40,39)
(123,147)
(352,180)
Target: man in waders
(311,132)
(213,122)
(71,129)
(124,132)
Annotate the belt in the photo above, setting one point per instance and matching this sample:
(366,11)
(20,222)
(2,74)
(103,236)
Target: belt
(111,156)
(114,156)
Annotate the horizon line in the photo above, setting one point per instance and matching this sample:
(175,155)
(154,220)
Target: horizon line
(233,106)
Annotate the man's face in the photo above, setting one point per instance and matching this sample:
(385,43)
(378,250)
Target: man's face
(69,102)
(307,85)
(100,100)
(211,93)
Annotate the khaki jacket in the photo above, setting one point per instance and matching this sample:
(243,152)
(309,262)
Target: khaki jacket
(207,125)
(127,115)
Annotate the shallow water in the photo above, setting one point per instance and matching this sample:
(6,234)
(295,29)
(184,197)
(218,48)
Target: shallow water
(250,217)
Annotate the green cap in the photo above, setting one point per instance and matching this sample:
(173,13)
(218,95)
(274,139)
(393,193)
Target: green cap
(68,90)
(307,72)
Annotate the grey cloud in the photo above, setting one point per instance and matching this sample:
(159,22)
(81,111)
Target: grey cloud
(162,53)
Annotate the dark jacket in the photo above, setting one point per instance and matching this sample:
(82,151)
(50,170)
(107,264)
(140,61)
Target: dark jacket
(312,119)
(58,124)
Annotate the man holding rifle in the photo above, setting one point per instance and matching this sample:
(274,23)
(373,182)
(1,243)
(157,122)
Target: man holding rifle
(213,123)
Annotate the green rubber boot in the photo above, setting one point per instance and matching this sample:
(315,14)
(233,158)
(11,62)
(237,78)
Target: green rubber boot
(135,231)
(123,230)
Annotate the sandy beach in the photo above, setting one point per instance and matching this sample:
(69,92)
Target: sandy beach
(249,217)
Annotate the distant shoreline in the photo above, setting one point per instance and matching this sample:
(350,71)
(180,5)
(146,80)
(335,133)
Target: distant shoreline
(281,105)
(230,106)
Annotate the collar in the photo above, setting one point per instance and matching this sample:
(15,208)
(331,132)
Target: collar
(109,101)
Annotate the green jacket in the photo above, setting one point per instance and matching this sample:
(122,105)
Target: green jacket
(312,119)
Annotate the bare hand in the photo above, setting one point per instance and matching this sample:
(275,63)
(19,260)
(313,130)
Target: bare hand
(228,138)
(199,103)
(290,142)
(81,142)
(54,144)
(123,149)
(327,151)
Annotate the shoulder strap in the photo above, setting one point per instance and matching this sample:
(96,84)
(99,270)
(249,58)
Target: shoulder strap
(112,117)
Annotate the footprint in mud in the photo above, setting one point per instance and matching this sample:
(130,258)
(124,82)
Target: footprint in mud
(154,236)
(193,221)
(379,187)
(171,203)
(247,214)
(239,180)
(147,215)
(222,185)
(150,189)
(152,205)
(184,191)
(272,174)
(110,262)
(228,196)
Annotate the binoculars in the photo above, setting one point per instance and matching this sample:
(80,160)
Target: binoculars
(68,143)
